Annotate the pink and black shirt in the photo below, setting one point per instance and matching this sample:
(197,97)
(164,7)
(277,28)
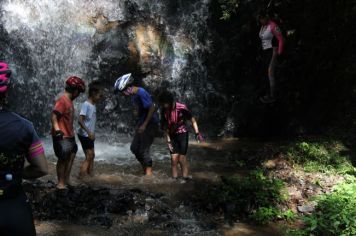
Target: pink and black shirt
(270,36)
(175,120)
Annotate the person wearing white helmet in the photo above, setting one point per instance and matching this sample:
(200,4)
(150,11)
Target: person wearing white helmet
(147,120)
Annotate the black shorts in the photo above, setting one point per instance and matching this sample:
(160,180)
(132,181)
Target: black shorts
(180,143)
(16,217)
(86,142)
(63,148)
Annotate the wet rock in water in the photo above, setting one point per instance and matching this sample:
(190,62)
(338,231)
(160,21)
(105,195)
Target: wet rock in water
(85,205)
(102,220)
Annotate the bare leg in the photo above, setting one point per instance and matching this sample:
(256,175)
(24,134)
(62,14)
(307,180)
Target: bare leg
(85,168)
(272,82)
(184,165)
(69,167)
(271,68)
(61,173)
(174,164)
(91,165)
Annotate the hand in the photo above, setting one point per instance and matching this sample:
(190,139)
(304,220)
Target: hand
(170,146)
(141,129)
(58,134)
(199,137)
(91,136)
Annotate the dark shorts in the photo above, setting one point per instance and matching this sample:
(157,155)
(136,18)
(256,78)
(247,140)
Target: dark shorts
(86,142)
(142,143)
(63,148)
(180,143)
(16,217)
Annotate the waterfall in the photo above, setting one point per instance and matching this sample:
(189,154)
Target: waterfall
(161,42)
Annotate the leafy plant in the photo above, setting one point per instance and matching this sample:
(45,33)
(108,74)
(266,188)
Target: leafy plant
(265,214)
(335,213)
(320,156)
(228,7)
(254,195)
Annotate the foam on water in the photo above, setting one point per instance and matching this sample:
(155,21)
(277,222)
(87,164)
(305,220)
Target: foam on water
(112,152)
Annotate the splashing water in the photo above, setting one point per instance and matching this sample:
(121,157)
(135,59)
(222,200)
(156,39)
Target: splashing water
(45,41)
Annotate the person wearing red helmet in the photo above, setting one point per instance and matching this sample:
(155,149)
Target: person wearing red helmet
(18,141)
(65,147)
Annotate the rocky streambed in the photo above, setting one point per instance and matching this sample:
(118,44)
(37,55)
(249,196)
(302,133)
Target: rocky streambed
(118,200)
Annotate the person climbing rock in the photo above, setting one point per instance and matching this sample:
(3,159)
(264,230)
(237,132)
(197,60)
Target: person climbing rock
(18,141)
(272,47)
(174,118)
(147,120)
(65,147)
(86,132)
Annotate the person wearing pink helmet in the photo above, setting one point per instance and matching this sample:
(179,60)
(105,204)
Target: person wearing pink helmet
(65,147)
(18,141)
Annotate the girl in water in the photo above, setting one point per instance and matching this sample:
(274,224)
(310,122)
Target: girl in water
(174,117)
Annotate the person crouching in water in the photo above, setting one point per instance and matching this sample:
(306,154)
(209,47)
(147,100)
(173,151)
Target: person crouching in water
(86,132)
(174,117)
(147,124)
(64,145)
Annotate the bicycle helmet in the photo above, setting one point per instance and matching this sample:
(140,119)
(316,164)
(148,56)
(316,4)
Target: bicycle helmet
(77,83)
(5,74)
(123,82)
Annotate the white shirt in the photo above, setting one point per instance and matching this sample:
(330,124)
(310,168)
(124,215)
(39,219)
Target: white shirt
(89,111)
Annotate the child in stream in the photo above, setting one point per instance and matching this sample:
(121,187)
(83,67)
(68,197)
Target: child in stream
(174,117)
(147,120)
(86,132)
(64,145)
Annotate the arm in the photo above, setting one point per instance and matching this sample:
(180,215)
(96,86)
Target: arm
(36,157)
(168,140)
(37,168)
(54,120)
(277,33)
(198,135)
(150,113)
(195,125)
(83,126)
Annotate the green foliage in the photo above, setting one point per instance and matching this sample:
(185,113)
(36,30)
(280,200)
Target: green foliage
(265,214)
(321,156)
(256,195)
(335,213)
(228,8)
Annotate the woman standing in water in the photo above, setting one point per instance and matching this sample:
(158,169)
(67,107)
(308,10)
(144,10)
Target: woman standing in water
(174,117)
(272,45)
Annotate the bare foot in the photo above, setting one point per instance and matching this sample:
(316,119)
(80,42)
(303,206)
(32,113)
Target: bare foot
(148,171)
(61,186)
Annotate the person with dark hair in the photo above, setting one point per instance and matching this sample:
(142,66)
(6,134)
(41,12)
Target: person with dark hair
(65,147)
(18,141)
(272,46)
(174,117)
(147,120)
(86,132)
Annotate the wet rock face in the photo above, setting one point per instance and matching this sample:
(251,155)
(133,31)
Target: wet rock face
(158,41)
